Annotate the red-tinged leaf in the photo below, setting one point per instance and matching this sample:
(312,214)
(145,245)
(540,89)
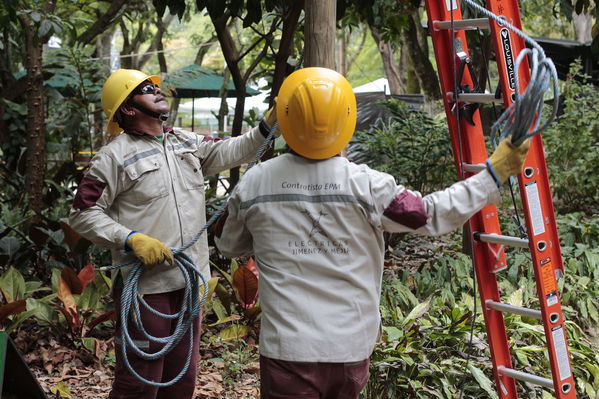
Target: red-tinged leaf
(251,265)
(70,306)
(70,236)
(12,308)
(86,275)
(102,318)
(69,277)
(246,284)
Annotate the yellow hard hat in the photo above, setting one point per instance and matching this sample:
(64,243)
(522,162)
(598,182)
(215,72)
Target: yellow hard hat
(117,88)
(316,111)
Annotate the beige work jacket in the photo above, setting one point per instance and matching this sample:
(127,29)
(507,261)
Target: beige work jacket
(139,183)
(316,231)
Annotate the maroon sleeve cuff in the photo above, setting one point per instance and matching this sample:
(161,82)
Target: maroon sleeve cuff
(407,209)
(90,189)
(220,223)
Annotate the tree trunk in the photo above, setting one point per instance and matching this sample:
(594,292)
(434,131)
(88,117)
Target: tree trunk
(353,57)
(290,22)
(233,60)
(426,74)
(320,33)
(161,25)
(36,143)
(390,64)
(103,22)
(342,63)
(223,111)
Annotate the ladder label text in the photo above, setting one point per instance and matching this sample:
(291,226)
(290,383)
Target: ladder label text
(508,55)
(534,208)
(561,353)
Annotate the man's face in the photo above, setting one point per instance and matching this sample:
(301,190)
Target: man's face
(150,96)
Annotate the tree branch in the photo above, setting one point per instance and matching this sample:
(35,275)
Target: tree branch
(103,22)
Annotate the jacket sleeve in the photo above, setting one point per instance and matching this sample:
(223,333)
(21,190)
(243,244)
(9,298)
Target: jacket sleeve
(232,237)
(442,211)
(95,195)
(219,155)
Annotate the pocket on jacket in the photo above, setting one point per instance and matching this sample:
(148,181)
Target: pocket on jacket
(191,169)
(147,178)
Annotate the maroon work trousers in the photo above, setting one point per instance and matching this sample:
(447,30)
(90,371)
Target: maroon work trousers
(126,385)
(281,379)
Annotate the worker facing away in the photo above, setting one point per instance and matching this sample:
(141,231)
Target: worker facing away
(314,222)
(144,194)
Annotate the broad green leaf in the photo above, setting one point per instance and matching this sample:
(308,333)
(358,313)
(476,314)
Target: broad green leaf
(211,287)
(61,390)
(89,343)
(12,285)
(393,333)
(89,299)
(418,310)
(225,320)
(10,245)
(219,309)
(484,382)
(233,332)
(42,311)
(515,298)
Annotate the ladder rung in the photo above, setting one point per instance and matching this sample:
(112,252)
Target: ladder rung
(474,167)
(462,24)
(482,98)
(500,239)
(504,307)
(522,376)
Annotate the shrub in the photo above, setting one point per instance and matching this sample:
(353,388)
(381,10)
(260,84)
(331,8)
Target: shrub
(411,146)
(572,145)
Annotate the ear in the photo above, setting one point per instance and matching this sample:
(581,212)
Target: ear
(127,109)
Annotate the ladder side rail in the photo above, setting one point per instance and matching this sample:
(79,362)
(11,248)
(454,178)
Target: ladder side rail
(473,151)
(537,203)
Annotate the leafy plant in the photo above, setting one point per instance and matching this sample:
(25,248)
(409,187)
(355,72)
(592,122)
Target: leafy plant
(16,292)
(572,144)
(428,312)
(411,146)
(236,301)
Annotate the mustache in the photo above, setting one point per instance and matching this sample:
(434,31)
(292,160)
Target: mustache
(159,98)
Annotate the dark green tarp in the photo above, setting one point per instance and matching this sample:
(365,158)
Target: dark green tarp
(194,81)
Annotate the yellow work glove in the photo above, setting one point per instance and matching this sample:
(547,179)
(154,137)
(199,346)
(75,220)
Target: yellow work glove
(507,160)
(149,250)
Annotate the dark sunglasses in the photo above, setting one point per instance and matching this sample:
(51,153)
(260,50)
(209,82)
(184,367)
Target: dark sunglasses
(145,88)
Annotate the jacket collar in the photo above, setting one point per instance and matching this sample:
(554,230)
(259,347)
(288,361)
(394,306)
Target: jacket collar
(137,132)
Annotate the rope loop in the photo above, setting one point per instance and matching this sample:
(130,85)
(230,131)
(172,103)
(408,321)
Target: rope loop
(522,118)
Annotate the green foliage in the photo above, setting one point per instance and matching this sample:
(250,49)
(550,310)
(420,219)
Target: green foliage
(427,317)
(235,305)
(572,145)
(411,146)
(71,307)
(75,97)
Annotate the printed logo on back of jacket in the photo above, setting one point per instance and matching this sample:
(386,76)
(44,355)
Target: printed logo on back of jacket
(319,241)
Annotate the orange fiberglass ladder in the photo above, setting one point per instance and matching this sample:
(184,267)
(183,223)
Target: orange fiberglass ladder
(451,51)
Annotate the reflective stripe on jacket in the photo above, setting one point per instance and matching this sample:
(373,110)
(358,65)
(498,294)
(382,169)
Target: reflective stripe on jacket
(139,183)
(316,230)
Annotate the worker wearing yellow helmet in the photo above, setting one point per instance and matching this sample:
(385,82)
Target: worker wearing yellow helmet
(314,222)
(142,195)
